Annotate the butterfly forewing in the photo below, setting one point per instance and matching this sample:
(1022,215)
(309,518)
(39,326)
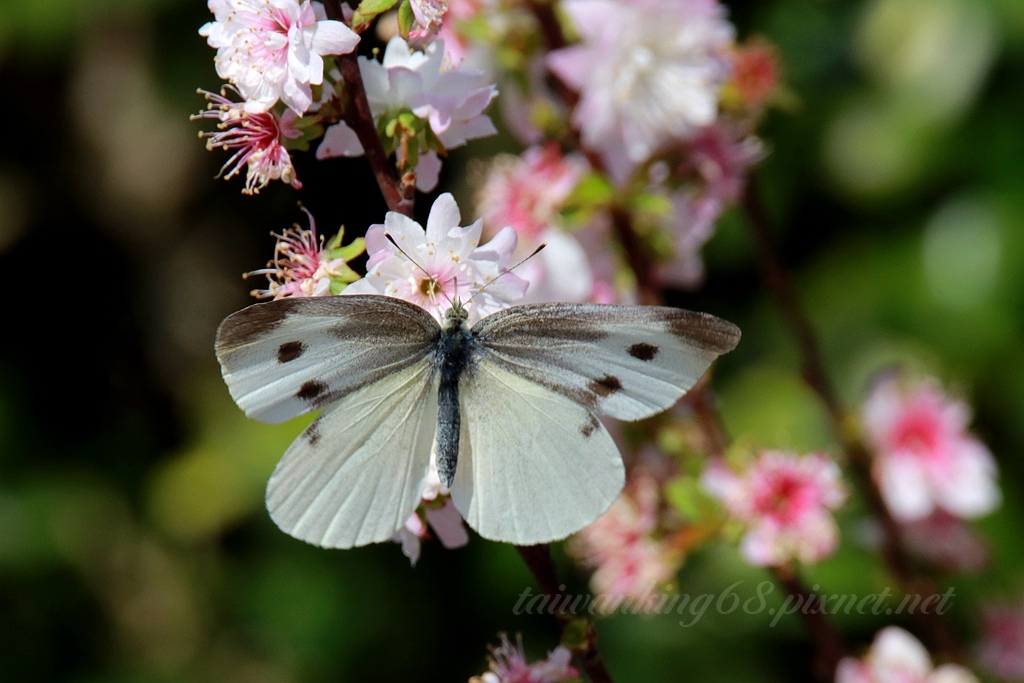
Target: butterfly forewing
(284,358)
(628,362)
(357,473)
(533,466)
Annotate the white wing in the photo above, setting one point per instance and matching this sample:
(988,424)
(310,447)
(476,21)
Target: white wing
(357,472)
(629,362)
(533,466)
(284,358)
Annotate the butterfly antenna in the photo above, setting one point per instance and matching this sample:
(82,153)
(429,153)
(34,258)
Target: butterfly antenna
(509,270)
(431,294)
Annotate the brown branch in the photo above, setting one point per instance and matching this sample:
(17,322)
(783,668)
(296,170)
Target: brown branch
(538,560)
(829,644)
(937,630)
(398,195)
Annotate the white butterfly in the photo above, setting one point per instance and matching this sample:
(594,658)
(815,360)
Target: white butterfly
(509,402)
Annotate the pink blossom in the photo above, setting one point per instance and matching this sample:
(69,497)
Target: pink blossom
(257,140)
(755,72)
(432,267)
(785,502)
(436,510)
(648,73)
(628,561)
(273,49)
(451,100)
(925,459)
(302,266)
(508,665)
(716,163)
(429,20)
(898,657)
(1001,650)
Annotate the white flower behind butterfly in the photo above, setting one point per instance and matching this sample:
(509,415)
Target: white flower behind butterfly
(441,264)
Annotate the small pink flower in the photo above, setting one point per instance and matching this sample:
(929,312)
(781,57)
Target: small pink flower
(628,561)
(755,72)
(433,267)
(648,73)
(925,459)
(273,49)
(898,657)
(1001,651)
(429,20)
(302,266)
(716,163)
(436,510)
(785,502)
(508,665)
(257,141)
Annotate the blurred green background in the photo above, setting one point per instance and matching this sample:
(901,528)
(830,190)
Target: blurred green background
(133,541)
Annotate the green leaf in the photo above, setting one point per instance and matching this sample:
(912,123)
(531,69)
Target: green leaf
(368,9)
(406,19)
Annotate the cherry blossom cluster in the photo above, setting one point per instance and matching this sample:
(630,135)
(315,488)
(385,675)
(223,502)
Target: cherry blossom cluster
(509,665)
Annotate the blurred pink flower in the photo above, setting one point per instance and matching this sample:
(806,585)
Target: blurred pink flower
(648,73)
(256,139)
(1001,647)
(508,665)
(785,502)
(898,657)
(526,193)
(715,167)
(925,459)
(451,100)
(440,263)
(273,49)
(302,266)
(755,72)
(628,562)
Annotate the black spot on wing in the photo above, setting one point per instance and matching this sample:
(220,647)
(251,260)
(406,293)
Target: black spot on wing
(605,386)
(588,429)
(310,390)
(643,351)
(289,351)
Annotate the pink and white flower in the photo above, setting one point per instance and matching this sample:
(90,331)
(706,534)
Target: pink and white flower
(451,100)
(433,267)
(648,73)
(785,501)
(925,459)
(1001,650)
(508,665)
(898,657)
(429,20)
(273,49)
(526,193)
(303,266)
(257,140)
(628,561)
(436,512)
(715,167)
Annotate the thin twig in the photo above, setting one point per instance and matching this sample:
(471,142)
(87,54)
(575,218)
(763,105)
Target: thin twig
(359,118)
(829,644)
(538,560)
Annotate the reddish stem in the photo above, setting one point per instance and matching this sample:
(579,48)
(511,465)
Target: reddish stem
(538,560)
(359,118)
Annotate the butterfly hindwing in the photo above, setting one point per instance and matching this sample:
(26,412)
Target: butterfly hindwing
(284,358)
(357,473)
(533,465)
(628,362)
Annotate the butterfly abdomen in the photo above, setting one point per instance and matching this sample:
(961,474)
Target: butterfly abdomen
(452,356)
